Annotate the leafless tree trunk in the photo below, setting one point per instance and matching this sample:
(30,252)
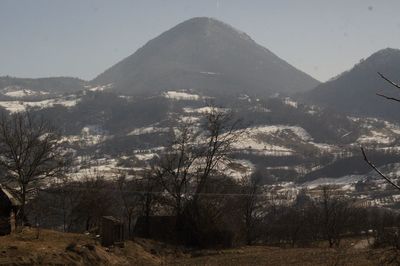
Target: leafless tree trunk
(334,216)
(250,189)
(130,200)
(150,197)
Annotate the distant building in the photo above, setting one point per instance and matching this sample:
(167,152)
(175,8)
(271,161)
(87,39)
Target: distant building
(9,206)
(112,232)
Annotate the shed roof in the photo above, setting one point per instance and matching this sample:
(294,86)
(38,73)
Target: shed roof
(113,219)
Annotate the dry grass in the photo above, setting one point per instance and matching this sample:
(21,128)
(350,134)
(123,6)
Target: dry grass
(56,248)
(261,255)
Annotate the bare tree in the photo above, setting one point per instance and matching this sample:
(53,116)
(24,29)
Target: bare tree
(175,168)
(221,132)
(53,204)
(251,205)
(195,155)
(96,199)
(131,201)
(68,198)
(334,215)
(150,196)
(30,153)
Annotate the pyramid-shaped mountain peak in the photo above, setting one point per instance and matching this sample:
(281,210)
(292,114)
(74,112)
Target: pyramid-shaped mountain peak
(209,56)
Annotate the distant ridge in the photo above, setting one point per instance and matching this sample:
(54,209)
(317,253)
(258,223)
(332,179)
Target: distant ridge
(51,84)
(354,91)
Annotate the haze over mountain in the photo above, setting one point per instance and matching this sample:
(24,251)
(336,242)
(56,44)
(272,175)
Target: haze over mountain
(354,91)
(209,56)
(51,84)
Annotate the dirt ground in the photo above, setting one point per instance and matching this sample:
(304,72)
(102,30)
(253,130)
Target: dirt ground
(55,248)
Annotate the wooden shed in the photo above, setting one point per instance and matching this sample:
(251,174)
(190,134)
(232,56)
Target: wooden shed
(112,231)
(9,206)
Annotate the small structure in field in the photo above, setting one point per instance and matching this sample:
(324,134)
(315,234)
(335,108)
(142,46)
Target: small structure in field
(112,232)
(9,206)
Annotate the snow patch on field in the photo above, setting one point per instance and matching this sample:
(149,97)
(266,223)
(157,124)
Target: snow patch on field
(274,129)
(312,112)
(20,106)
(250,145)
(301,169)
(209,73)
(237,169)
(90,135)
(264,149)
(101,167)
(374,137)
(324,146)
(203,110)
(290,102)
(389,149)
(18,92)
(252,140)
(342,181)
(393,127)
(93,134)
(180,95)
(189,119)
(100,88)
(145,156)
(151,150)
(260,109)
(147,130)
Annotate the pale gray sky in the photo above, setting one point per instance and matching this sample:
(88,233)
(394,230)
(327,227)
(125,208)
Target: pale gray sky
(82,38)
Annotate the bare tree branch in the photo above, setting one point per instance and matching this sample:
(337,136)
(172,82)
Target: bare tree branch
(388,98)
(377,170)
(389,81)
(362,149)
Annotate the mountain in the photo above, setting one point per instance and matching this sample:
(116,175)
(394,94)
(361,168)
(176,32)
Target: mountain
(354,91)
(208,56)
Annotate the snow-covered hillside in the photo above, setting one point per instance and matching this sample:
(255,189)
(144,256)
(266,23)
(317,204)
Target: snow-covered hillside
(282,140)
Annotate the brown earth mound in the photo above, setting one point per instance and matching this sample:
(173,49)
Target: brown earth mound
(56,248)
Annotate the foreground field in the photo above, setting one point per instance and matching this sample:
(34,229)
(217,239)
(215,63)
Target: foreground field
(54,248)
(279,256)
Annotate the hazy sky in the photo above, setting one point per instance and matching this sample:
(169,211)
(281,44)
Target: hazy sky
(82,38)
